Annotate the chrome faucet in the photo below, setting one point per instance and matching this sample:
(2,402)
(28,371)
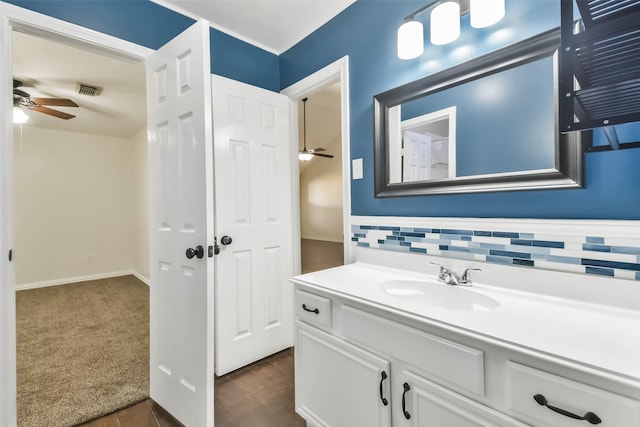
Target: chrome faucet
(450,277)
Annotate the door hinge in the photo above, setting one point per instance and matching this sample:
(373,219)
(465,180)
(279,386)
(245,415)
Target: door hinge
(10,255)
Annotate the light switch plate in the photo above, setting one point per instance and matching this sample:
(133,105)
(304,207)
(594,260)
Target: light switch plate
(356,169)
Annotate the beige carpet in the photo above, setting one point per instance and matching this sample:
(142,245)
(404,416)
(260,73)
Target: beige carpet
(82,350)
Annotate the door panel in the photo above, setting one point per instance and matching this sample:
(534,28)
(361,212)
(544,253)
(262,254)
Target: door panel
(181,217)
(254,207)
(417,157)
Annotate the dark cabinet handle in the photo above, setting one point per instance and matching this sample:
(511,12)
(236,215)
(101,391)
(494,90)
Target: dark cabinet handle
(383,376)
(406,413)
(589,416)
(314,310)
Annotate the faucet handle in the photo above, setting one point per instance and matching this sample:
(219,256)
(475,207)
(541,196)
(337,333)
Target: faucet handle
(447,276)
(465,278)
(443,269)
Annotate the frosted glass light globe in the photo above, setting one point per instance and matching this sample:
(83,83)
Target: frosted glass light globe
(19,116)
(445,23)
(410,40)
(485,13)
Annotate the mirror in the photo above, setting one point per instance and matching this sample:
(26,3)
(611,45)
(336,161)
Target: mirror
(489,124)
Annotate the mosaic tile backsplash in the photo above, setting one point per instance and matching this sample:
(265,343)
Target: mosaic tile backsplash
(606,256)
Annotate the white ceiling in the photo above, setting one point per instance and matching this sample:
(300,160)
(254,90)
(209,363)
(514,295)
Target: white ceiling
(51,69)
(273,25)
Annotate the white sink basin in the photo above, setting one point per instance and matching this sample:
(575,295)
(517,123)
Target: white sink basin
(440,295)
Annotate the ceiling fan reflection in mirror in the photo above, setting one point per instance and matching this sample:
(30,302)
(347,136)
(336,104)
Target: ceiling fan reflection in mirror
(41,105)
(307,154)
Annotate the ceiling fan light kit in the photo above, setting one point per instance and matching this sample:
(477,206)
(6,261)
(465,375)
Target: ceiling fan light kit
(307,154)
(22,99)
(19,116)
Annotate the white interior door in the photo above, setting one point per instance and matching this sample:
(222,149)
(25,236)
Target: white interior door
(253,207)
(181,206)
(417,157)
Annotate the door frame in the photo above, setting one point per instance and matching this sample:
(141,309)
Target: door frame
(16,18)
(337,71)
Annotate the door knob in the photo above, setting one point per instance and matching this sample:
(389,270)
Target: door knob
(197,252)
(226,240)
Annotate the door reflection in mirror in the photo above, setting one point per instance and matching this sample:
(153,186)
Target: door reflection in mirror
(422,148)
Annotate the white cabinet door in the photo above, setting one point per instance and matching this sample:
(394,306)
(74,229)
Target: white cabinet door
(338,384)
(422,403)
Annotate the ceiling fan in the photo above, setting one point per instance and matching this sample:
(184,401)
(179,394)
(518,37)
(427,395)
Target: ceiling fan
(23,99)
(307,154)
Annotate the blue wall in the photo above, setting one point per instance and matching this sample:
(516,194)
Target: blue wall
(151,25)
(366,31)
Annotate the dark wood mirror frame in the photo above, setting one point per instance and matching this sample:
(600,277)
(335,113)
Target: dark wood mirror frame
(568,171)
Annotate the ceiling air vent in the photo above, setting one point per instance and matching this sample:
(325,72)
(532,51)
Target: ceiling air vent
(88,90)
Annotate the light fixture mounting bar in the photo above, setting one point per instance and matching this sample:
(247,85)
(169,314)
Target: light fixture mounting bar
(464,8)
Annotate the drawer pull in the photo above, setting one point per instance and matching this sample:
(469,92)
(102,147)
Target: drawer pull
(589,416)
(314,310)
(383,376)
(406,413)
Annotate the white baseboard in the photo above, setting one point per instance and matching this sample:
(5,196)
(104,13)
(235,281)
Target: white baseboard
(140,277)
(322,239)
(69,280)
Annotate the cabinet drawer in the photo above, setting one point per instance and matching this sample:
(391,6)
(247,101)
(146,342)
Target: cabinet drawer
(313,308)
(568,395)
(447,362)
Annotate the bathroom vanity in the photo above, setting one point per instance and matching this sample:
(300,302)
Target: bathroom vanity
(377,347)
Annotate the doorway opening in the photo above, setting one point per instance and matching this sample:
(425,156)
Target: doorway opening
(80,220)
(320,180)
(329,83)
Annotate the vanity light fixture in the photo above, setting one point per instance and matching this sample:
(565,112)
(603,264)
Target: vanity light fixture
(19,116)
(445,23)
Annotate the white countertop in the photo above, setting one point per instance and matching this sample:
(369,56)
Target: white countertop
(595,336)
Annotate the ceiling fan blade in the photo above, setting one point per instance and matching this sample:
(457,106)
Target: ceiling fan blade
(315,150)
(59,102)
(330,156)
(51,112)
(21,93)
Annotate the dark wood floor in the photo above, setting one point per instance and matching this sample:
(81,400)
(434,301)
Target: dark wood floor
(258,395)
(318,255)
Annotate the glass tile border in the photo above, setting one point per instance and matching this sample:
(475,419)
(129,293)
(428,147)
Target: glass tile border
(589,254)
